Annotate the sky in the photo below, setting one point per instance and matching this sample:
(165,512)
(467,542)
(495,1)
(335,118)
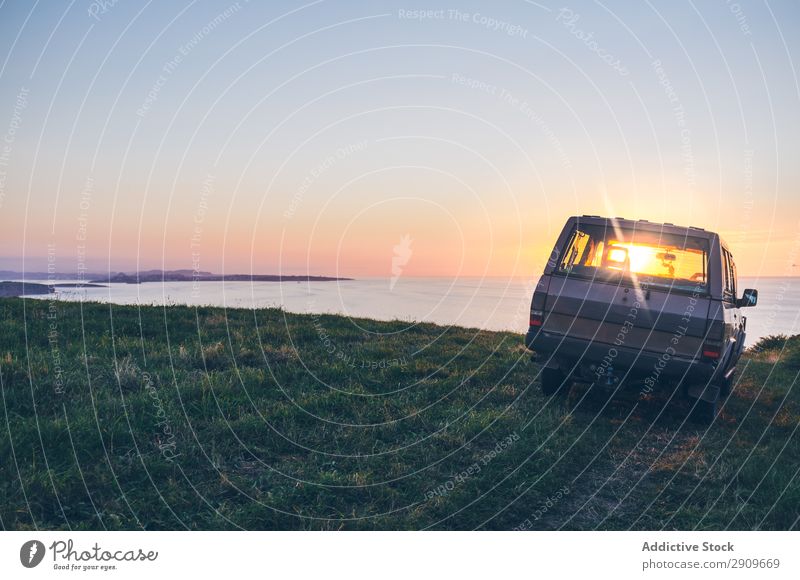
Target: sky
(351,138)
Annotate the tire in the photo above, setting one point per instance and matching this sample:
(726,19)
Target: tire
(553,380)
(725,385)
(703,412)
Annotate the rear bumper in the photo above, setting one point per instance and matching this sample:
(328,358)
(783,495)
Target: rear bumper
(579,355)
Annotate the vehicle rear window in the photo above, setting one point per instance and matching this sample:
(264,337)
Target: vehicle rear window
(612,253)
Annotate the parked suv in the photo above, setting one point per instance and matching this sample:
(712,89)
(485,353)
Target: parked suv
(651,304)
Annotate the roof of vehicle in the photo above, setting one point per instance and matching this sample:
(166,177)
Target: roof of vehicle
(664,228)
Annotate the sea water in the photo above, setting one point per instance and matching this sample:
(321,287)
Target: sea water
(485,303)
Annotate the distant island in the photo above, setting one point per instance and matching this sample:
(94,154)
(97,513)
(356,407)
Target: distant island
(193,276)
(16,289)
(13,289)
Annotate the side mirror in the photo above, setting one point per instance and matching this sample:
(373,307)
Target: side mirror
(749,298)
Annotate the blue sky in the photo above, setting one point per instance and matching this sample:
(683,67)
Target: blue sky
(311,137)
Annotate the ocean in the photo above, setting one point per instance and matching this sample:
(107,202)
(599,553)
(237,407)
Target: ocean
(486,303)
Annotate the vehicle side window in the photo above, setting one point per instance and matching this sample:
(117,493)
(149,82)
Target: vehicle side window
(575,251)
(728,277)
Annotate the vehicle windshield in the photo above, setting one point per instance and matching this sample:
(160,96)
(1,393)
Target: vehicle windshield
(638,256)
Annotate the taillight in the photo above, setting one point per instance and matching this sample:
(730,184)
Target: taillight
(712,346)
(538,302)
(712,349)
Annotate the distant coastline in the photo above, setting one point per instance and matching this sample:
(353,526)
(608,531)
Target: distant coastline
(140,278)
(15,289)
(12,289)
(158,276)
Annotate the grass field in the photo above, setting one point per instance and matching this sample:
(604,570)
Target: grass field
(120,417)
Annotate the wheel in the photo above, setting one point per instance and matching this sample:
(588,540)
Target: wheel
(703,411)
(725,385)
(552,381)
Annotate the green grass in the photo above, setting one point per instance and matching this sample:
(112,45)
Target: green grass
(170,418)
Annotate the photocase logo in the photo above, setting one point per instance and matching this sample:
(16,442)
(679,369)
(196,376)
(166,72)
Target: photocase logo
(31,553)
(402,254)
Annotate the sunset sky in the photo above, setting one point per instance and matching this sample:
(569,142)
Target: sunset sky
(313,137)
